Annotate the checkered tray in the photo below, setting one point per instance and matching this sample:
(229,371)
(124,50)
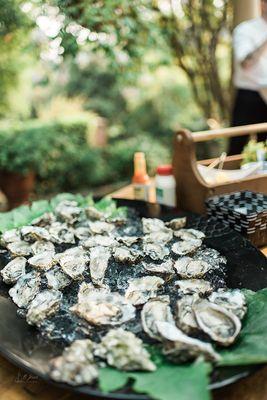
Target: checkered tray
(245,212)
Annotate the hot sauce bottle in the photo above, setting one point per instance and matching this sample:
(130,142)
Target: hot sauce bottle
(141,181)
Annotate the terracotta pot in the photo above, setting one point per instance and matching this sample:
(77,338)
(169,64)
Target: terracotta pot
(17,187)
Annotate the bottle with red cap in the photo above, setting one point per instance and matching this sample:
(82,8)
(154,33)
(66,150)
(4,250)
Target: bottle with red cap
(165,186)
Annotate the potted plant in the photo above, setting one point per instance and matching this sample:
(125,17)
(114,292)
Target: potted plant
(18,161)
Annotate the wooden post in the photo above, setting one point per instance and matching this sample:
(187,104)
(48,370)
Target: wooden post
(245,9)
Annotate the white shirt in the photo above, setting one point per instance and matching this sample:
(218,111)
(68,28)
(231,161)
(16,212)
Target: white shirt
(248,36)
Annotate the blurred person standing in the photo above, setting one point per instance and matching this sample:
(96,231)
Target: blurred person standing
(250,76)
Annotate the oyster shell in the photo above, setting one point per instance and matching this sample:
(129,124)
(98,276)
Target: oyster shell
(86,289)
(140,290)
(98,240)
(44,220)
(164,268)
(188,268)
(152,225)
(125,351)
(185,247)
(82,233)
(57,279)
(42,261)
(163,236)
(156,251)
(76,365)
(25,289)
(128,240)
(93,213)
(44,305)
(189,234)
(68,211)
(14,270)
(186,320)
(101,308)
(157,309)
(221,325)
(191,286)
(33,233)
(233,300)
(41,246)
(176,223)
(10,236)
(101,227)
(61,233)
(179,347)
(99,258)
(19,248)
(126,255)
(73,261)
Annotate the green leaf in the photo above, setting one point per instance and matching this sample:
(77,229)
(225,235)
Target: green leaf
(170,381)
(6,221)
(106,205)
(251,347)
(60,197)
(21,216)
(39,208)
(111,379)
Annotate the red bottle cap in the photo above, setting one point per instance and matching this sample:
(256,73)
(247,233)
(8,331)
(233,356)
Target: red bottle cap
(164,170)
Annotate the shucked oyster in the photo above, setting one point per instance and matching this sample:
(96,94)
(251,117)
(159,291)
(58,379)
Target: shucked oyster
(189,234)
(14,270)
(185,247)
(157,309)
(126,255)
(152,225)
(179,347)
(61,233)
(42,261)
(125,351)
(162,236)
(19,248)
(191,286)
(10,236)
(177,223)
(73,261)
(45,304)
(140,290)
(86,289)
(41,246)
(221,325)
(128,240)
(156,251)
(101,308)
(82,232)
(76,365)
(57,279)
(99,240)
(232,300)
(101,227)
(186,320)
(25,289)
(33,233)
(94,214)
(99,258)
(164,268)
(44,220)
(68,211)
(188,268)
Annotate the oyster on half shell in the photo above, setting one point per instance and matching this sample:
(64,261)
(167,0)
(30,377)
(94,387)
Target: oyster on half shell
(101,308)
(99,258)
(76,364)
(179,347)
(42,261)
(128,240)
(125,351)
(156,251)
(140,290)
(19,248)
(220,324)
(126,255)
(14,270)
(233,300)
(184,247)
(86,289)
(45,304)
(25,289)
(99,240)
(189,268)
(73,261)
(57,279)
(162,236)
(101,228)
(157,309)
(189,234)
(33,233)
(152,225)
(185,317)
(68,211)
(41,246)
(61,233)
(10,236)
(191,286)
(164,268)
(177,223)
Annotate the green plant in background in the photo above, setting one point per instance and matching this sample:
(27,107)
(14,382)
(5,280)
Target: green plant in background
(250,151)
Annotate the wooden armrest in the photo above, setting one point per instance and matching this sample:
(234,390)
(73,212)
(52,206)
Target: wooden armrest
(229,132)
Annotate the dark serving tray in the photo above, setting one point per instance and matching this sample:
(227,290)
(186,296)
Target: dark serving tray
(246,268)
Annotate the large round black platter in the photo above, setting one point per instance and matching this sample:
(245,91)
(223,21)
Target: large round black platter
(246,268)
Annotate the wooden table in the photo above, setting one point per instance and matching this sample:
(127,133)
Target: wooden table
(17,385)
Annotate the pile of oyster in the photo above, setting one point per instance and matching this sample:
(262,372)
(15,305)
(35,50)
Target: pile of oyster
(107,287)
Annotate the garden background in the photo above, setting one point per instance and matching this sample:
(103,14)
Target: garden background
(86,83)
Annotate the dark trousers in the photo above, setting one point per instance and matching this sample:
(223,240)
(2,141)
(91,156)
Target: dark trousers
(249,108)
